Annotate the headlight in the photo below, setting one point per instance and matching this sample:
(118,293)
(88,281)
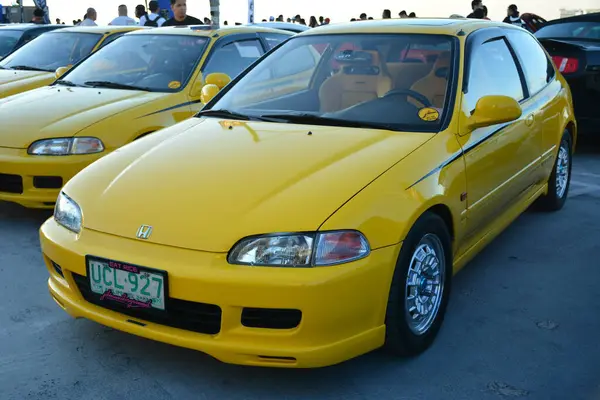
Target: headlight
(301,249)
(66,146)
(67,213)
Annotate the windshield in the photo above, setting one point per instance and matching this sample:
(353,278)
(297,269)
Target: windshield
(53,50)
(8,41)
(161,63)
(397,82)
(571,30)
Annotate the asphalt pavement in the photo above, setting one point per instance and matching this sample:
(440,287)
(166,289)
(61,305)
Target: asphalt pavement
(523,322)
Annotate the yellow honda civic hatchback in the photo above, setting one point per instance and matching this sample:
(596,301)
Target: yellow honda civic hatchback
(144,81)
(304,227)
(36,64)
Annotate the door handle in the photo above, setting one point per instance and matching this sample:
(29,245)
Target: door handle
(529,120)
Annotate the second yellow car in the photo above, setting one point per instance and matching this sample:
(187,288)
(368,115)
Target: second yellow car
(145,81)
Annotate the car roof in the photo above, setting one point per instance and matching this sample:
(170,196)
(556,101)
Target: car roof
(441,26)
(104,29)
(286,26)
(206,30)
(591,17)
(28,27)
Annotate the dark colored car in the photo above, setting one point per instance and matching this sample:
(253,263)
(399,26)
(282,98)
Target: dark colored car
(533,21)
(574,44)
(14,36)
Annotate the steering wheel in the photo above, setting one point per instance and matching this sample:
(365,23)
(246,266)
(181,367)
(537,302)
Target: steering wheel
(407,92)
(158,79)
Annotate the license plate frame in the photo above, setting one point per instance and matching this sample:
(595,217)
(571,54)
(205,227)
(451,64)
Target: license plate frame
(113,300)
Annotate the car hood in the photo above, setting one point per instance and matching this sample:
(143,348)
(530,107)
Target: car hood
(204,186)
(60,111)
(11,76)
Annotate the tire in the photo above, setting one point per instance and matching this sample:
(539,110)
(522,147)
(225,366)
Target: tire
(402,338)
(561,172)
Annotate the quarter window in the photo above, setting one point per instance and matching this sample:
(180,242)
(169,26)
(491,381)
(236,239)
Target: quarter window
(493,72)
(537,66)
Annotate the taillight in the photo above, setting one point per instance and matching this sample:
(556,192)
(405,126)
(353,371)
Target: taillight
(566,65)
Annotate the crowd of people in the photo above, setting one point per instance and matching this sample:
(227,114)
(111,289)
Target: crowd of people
(157,17)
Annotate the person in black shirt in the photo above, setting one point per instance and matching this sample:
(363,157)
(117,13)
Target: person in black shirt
(180,16)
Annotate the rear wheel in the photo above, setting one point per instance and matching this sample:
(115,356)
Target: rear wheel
(560,178)
(420,288)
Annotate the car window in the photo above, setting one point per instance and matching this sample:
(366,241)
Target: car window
(53,50)
(8,41)
(160,63)
(346,77)
(273,39)
(536,65)
(111,38)
(233,58)
(492,72)
(571,30)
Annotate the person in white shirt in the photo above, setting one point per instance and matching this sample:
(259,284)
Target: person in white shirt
(123,19)
(90,18)
(154,18)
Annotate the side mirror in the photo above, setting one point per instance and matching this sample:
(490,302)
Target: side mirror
(61,71)
(208,92)
(492,110)
(218,79)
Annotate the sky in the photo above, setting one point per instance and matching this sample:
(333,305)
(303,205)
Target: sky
(337,10)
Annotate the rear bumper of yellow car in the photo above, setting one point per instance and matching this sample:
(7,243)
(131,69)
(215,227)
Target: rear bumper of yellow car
(35,181)
(342,307)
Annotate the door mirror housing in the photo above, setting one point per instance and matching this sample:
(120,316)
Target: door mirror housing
(209,91)
(218,79)
(61,71)
(492,110)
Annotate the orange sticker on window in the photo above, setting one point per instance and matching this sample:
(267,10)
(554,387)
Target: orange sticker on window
(429,114)
(174,85)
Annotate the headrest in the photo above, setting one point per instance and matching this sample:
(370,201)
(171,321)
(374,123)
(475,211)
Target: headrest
(443,61)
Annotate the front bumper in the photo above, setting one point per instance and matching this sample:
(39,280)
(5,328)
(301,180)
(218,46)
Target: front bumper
(343,307)
(35,181)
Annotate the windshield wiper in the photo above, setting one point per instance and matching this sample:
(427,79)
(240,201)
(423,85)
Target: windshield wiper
(114,85)
(28,68)
(224,114)
(65,83)
(319,120)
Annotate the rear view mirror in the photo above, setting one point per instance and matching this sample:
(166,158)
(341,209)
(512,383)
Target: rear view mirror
(209,91)
(61,71)
(492,110)
(218,79)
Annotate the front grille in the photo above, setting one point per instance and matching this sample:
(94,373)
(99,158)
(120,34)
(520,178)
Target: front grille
(196,317)
(47,182)
(271,318)
(11,184)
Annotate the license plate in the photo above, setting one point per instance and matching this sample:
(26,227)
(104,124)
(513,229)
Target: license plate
(130,285)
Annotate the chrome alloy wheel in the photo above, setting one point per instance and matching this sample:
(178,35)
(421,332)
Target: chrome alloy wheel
(425,284)
(562,170)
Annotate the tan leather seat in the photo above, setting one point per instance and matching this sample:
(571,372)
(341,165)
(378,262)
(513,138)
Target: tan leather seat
(406,74)
(434,85)
(353,85)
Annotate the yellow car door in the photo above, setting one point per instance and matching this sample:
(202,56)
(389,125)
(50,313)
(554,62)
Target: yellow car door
(500,159)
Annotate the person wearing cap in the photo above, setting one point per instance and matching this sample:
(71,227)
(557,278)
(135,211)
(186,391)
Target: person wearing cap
(154,18)
(513,17)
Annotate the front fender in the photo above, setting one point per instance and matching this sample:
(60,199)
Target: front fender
(433,175)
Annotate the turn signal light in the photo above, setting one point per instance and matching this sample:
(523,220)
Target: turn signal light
(566,65)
